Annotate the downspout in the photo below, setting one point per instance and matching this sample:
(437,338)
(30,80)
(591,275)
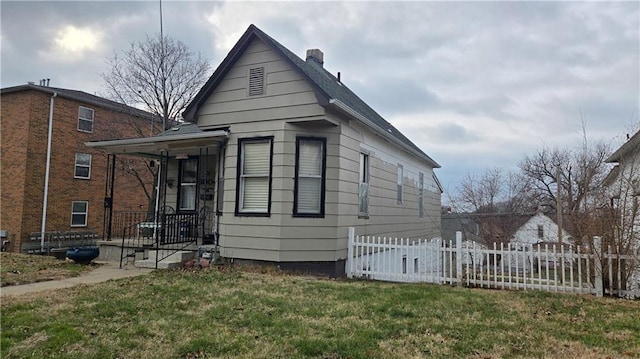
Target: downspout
(46,174)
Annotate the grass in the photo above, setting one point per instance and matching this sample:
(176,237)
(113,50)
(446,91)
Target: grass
(16,269)
(227,313)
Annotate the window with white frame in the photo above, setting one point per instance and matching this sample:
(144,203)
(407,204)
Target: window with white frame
(256,81)
(540,231)
(420,195)
(187,184)
(254,176)
(399,183)
(310,170)
(79,213)
(85,119)
(83,166)
(363,188)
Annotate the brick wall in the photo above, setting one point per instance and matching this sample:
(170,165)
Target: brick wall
(25,117)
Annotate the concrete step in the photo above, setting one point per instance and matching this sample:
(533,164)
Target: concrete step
(173,260)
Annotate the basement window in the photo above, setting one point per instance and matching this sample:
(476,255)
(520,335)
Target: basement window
(256,81)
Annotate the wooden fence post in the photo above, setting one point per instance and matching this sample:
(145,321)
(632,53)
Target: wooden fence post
(597,266)
(350,259)
(459,259)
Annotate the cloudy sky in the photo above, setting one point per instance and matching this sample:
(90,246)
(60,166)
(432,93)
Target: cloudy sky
(474,84)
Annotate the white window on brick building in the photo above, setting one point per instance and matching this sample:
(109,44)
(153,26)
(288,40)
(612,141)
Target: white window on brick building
(85,119)
(83,166)
(79,213)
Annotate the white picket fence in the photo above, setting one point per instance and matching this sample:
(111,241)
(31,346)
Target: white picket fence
(521,267)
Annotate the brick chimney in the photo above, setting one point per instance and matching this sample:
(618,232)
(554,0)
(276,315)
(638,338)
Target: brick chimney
(315,55)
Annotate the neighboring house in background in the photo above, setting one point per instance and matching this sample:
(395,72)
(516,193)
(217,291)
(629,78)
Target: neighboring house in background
(504,228)
(623,184)
(289,158)
(540,228)
(76,191)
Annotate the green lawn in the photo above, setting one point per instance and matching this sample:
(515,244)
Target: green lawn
(221,312)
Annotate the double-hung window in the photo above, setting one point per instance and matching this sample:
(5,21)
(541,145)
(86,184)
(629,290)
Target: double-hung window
(188,188)
(85,119)
(310,173)
(83,166)
(399,183)
(420,195)
(253,196)
(79,213)
(363,186)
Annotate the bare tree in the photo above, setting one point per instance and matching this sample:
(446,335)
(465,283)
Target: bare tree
(495,191)
(160,74)
(580,173)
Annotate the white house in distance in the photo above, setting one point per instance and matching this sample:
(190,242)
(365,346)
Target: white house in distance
(623,183)
(287,158)
(540,228)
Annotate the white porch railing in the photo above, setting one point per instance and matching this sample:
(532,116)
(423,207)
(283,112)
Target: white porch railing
(522,267)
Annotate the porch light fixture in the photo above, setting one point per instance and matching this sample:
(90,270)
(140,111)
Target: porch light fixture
(170,182)
(182,156)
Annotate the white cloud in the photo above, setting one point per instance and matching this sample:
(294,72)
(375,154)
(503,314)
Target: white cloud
(73,44)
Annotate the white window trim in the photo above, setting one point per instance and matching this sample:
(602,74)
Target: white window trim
(86,119)
(86,214)
(75,168)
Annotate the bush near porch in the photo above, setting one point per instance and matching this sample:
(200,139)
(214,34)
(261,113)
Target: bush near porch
(226,312)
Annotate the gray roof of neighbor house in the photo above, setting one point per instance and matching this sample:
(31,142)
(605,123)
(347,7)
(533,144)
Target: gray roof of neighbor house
(329,90)
(631,144)
(83,97)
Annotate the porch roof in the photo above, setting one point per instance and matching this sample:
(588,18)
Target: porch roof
(158,145)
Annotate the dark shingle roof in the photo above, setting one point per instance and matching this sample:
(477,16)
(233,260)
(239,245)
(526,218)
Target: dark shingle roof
(323,81)
(82,97)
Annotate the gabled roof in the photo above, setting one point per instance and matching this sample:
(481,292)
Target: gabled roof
(329,90)
(82,97)
(630,145)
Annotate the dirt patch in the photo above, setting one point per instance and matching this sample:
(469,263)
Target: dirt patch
(18,269)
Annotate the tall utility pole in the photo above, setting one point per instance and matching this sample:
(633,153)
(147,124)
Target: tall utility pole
(559,203)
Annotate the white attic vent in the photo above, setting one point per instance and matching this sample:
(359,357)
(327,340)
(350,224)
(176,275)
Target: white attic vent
(256,81)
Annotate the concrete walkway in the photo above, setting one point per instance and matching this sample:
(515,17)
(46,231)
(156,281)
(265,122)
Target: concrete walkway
(105,272)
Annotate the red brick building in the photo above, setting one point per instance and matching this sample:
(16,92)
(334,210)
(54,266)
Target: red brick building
(77,175)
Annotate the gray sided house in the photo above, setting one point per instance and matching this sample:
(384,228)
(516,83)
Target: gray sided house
(278,158)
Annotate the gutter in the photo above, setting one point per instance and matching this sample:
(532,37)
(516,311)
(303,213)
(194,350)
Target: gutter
(353,113)
(46,175)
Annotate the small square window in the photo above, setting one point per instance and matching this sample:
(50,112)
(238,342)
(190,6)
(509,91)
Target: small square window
(79,212)
(85,119)
(83,166)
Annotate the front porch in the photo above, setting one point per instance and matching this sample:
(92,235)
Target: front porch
(138,239)
(187,165)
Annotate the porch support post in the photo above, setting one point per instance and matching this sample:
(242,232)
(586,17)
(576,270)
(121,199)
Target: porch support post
(112,190)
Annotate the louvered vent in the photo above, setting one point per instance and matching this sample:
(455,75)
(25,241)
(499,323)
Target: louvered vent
(256,81)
